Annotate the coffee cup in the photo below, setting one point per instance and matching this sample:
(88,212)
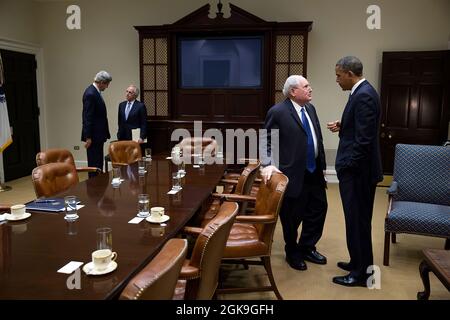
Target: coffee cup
(157,212)
(18,210)
(102,258)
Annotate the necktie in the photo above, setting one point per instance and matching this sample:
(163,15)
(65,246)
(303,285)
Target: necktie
(310,155)
(127,110)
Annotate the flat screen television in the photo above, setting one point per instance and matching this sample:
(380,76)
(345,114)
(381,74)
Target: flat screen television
(220,62)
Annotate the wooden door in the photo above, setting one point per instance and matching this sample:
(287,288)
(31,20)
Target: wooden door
(21,98)
(415,100)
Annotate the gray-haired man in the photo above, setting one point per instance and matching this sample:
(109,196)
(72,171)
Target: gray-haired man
(95,130)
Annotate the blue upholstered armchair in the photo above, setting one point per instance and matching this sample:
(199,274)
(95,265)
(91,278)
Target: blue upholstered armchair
(419,197)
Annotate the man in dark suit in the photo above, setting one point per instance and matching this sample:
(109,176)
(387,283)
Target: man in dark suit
(95,120)
(295,148)
(132,115)
(358,166)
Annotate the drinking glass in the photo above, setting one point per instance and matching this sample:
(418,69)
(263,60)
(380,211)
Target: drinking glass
(116,178)
(70,204)
(176,181)
(143,205)
(181,169)
(141,166)
(148,154)
(104,238)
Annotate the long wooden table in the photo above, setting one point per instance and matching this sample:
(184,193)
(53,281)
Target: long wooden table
(33,250)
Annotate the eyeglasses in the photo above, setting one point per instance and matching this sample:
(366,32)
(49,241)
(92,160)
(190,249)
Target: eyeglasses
(132,92)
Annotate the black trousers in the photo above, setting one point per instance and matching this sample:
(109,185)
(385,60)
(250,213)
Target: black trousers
(95,156)
(308,209)
(357,195)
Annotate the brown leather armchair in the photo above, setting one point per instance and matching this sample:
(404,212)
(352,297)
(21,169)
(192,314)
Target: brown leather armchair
(199,275)
(158,279)
(61,155)
(208,145)
(241,186)
(124,152)
(251,236)
(52,178)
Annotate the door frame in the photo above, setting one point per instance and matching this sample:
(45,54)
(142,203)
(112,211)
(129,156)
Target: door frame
(37,51)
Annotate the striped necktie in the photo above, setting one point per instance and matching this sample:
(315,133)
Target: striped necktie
(127,110)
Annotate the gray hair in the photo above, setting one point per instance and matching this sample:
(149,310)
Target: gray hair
(351,63)
(136,90)
(291,82)
(103,76)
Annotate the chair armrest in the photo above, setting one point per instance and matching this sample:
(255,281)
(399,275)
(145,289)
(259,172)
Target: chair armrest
(195,231)
(189,272)
(267,218)
(234,197)
(89,169)
(393,188)
(228,181)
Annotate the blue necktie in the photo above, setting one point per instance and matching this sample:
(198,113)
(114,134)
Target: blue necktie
(310,154)
(127,110)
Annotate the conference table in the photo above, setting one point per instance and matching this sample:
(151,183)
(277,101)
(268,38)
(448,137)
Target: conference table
(34,249)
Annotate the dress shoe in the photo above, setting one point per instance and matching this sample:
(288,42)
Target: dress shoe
(314,256)
(296,263)
(350,281)
(344,266)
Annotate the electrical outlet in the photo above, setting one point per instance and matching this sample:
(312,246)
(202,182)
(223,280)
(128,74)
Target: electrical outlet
(76,147)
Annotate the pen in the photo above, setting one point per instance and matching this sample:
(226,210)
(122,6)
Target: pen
(45,201)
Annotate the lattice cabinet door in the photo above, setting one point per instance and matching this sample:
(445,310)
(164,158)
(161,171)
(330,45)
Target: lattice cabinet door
(290,59)
(155,76)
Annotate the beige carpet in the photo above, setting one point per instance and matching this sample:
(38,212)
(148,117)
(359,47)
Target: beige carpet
(400,280)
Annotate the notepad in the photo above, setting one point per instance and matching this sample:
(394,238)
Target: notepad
(136,135)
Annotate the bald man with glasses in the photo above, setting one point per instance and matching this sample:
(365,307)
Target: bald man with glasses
(132,115)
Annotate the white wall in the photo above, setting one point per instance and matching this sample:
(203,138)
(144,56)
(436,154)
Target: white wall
(107,40)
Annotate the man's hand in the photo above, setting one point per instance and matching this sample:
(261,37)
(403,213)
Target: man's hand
(334,126)
(267,172)
(88,143)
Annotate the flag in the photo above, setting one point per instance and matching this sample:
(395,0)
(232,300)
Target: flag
(5,129)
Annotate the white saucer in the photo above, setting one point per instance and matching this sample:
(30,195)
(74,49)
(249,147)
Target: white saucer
(88,268)
(164,218)
(143,216)
(10,217)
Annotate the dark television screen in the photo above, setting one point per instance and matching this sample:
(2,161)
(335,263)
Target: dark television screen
(230,62)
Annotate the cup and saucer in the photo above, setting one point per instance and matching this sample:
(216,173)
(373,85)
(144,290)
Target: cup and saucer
(157,215)
(102,262)
(89,269)
(17,213)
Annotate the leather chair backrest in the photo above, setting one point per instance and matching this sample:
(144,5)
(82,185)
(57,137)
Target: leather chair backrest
(125,152)
(268,202)
(54,155)
(208,249)
(247,178)
(52,178)
(158,279)
(207,146)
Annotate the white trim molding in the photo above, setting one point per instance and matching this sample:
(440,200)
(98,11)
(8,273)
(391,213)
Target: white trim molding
(37,51)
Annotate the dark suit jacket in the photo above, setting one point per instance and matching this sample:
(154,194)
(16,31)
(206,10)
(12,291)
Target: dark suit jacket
(137,118)
(359,147)
(293,143)
(95,120)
